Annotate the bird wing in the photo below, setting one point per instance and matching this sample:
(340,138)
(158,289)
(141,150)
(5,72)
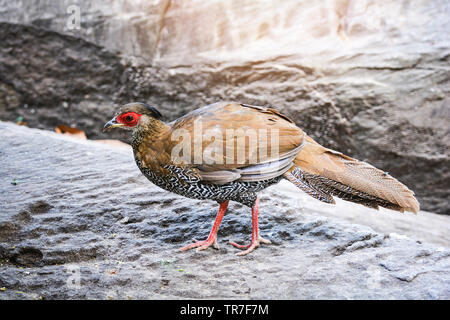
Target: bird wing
(227,141)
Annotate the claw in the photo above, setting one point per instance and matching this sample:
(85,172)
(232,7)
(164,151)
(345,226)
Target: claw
(249,247)
(256,239)
(201,245)
(212,238)
(240,246)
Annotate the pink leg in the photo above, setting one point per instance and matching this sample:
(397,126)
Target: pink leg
(212,238)
(256,239)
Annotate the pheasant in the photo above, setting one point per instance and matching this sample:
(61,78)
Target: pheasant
(229,152)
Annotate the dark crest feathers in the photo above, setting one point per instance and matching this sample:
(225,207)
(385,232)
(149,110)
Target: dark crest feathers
(155,113)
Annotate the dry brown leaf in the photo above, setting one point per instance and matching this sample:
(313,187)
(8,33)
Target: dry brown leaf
(74,132)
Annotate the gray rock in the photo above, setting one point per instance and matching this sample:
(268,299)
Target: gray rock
(369,80)
(81,222)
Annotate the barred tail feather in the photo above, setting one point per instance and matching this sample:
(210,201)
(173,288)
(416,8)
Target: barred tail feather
(323,173)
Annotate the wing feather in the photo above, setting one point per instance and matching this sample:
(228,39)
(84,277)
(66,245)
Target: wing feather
(240,142)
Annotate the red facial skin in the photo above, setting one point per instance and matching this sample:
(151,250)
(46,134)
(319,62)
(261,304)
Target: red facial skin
(129,119)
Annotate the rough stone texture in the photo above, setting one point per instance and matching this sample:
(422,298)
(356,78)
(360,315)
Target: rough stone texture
(83,209)
(368,78)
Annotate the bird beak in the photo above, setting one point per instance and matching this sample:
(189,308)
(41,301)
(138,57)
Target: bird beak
(111,124)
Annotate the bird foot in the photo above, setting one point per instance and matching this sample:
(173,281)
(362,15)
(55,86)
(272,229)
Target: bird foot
(201,245)
(249,247)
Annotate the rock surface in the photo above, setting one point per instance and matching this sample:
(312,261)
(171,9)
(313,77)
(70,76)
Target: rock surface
(80,221)
(369,79)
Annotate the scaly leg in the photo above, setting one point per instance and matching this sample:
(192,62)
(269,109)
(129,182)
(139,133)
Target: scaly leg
(256,239)
(212,238)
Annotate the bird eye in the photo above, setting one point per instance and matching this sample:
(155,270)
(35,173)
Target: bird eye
(130,119)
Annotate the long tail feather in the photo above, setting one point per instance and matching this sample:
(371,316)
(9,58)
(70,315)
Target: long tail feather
(323,172)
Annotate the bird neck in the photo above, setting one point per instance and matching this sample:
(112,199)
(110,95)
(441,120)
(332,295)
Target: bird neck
(151,131)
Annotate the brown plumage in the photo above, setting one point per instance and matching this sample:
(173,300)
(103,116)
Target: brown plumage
(230,151)
(334,173)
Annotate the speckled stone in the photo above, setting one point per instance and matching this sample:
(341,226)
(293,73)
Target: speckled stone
(82,222)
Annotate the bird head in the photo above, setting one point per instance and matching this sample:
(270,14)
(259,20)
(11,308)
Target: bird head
(133,115)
